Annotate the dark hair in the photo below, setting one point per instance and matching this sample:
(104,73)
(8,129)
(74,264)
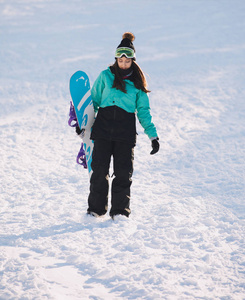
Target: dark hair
(138,78)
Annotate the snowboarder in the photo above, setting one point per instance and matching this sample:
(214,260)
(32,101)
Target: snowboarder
(118,93)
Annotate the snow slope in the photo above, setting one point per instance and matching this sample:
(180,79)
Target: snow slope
(185,236)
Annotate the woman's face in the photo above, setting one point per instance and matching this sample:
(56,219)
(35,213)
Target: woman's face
(124,62)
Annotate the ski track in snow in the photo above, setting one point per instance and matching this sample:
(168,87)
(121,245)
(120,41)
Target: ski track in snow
(185,236)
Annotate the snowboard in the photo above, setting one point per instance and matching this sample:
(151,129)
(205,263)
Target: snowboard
(84,110)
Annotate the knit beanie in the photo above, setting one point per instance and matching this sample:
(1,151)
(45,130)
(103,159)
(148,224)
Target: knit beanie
(127,40)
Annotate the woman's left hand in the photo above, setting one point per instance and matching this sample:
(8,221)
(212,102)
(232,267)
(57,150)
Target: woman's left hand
(155,146)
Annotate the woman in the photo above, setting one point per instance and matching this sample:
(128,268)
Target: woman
(117,94)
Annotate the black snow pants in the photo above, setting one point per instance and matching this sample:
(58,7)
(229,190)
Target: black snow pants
(123,155)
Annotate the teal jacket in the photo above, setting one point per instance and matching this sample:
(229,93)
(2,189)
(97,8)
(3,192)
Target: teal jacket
(104,95)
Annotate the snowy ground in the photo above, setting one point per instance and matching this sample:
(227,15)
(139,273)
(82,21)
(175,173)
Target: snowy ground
(185,236)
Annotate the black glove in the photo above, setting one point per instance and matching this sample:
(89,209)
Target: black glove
(80,132)
(155,146)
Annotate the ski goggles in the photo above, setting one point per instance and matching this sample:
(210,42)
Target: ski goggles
(128,52)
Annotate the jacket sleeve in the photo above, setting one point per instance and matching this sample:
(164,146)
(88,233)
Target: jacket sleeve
(144,115)
(96,91)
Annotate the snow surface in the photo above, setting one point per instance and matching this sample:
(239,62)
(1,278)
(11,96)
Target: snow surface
(185,236)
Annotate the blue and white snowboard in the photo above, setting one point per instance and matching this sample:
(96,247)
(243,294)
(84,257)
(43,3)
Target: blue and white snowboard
(83,105)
